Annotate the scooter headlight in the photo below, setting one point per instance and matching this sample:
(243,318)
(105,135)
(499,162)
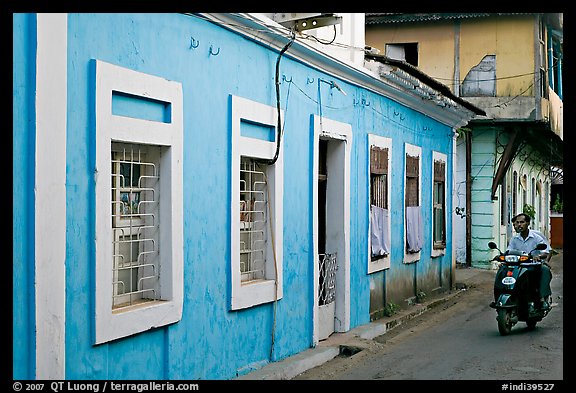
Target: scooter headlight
(512,258)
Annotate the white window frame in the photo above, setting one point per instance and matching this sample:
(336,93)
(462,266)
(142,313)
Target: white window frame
(110,78)
(384,143)
(414,151)
(437,156)
(269,289)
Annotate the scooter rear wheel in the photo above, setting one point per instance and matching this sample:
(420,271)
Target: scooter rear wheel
(504,321)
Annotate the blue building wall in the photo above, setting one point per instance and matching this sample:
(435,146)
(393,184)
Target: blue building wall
(210,342)
(24,44)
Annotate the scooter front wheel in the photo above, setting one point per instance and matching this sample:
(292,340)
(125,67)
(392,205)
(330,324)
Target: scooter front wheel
(504,321)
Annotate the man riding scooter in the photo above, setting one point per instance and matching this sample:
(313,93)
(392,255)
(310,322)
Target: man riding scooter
(526,240)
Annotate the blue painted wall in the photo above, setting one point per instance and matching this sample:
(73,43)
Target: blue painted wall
(23,117)
(210,342)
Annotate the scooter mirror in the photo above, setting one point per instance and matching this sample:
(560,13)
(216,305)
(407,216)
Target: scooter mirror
(541,246)
(492,245)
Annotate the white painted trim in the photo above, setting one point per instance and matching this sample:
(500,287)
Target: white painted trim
(414,151)
(437,156)
(243,296)
(50,196)
(454,232)
(333,130)
(110,326)
(382,142)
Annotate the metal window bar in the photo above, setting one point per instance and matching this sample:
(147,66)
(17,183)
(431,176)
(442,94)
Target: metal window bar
(379,195)
(438,215)
(327,287)
(134,226)
(253,232)
(439,234)
(412,181)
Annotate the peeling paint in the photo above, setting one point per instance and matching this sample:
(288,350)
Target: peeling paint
(481,79)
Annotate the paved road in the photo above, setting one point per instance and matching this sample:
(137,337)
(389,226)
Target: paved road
(460,341)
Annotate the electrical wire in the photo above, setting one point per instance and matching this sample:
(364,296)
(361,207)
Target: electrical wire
(341,45)
(333,43)
(279,126)
(316,101)
(272,162)
(308,36)
(275,269)
(552,67)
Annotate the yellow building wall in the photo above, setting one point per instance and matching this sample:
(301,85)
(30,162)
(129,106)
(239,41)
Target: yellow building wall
(511,39)
(435,50)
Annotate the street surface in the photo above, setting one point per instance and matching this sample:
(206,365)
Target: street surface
(460,341)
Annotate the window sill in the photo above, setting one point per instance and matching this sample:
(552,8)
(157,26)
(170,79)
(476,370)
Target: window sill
(255,292)
(136,306)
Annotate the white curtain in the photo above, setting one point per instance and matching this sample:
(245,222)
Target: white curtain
(379,231)
(414,228)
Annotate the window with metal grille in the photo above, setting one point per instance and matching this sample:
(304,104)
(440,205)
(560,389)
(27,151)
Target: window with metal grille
(253,220)
(379,200)
(379,176)
(135,273)
(413,227)
(138,202)
(256,218)
(438,217)
(412,180)
(543,81)
(379,169)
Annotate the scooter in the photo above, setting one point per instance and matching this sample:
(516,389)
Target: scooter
(516,295)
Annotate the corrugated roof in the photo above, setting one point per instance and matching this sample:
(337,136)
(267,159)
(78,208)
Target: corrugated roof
(394,17)
(433,83)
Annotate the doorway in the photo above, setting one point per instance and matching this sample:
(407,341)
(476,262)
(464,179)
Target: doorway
(331,227)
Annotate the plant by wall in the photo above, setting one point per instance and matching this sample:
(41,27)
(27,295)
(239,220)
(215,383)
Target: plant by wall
(529,210)
(391,309)
(558,205)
